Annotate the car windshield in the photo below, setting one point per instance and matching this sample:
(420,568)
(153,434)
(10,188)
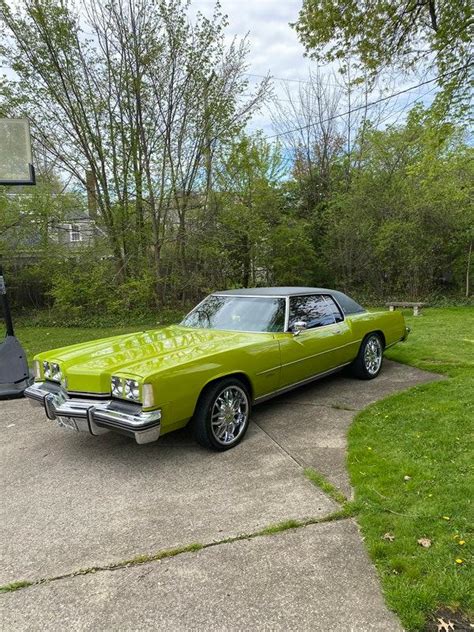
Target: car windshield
(238,313)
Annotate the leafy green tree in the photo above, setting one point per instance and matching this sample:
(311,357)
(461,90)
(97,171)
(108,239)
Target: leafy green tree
(31,221)
(262,240)
(247,179)
(136,94)
(403,228)
(404,34)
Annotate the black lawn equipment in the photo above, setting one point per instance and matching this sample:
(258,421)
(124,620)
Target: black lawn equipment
(15,375)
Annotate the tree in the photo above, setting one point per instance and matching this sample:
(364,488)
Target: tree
(310,132)
(403,228)
(32,220)
(137,94)
(247,182)
(261,240)
(400,33)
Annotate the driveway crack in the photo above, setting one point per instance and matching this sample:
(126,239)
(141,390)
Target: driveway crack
(284,450)
(346,512)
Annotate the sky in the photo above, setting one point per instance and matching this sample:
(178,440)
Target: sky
(274,45)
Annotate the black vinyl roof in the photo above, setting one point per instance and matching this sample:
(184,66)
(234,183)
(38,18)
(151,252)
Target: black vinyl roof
(349,306)
(275,291)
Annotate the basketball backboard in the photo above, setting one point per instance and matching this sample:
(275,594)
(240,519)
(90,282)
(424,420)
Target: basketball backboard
(16,165)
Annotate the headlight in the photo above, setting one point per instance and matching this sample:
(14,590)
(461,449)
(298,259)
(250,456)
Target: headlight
(117,387)
(125,388)
(46,370)
(132,389)
(56,374)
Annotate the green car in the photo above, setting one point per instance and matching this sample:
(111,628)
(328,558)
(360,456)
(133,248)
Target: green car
(235,349)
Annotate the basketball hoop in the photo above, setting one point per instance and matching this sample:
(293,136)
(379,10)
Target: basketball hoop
(16,163)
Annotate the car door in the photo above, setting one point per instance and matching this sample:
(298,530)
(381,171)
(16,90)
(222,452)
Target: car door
(322,346)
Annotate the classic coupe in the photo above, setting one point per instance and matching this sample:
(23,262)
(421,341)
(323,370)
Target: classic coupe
(235,349)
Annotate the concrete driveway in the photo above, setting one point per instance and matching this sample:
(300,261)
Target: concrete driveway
(73,503)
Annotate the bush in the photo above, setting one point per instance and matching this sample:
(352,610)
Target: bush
(81,288)
(85,292)
(29,285)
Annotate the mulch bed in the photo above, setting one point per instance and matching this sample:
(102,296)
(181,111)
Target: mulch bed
(446,620)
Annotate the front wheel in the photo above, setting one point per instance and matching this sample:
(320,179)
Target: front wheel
(222,414)
(368,363)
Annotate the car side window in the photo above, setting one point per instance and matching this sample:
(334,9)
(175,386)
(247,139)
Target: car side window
(314,310)
(336,312)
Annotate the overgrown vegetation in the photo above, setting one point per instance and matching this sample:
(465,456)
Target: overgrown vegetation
(328,488)
(410,460)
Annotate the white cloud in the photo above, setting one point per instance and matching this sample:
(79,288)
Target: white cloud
(274,44)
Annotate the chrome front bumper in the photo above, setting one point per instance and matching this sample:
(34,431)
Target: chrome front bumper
(96,416)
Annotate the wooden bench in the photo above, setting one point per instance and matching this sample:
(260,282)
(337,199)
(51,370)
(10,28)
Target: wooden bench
(416,306)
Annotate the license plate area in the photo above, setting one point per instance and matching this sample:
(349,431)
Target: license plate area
(68,422)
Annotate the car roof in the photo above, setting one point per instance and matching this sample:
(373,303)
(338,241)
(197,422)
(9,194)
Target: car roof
(348,305)
(275,291)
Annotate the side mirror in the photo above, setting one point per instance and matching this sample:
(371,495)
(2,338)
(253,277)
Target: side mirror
(298,326)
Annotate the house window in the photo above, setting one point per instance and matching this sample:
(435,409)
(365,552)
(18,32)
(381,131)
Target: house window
(75,232)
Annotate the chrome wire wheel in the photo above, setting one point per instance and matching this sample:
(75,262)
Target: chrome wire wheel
(229,414)
(373,353)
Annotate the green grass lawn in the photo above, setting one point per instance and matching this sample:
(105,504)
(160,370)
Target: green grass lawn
(410,460)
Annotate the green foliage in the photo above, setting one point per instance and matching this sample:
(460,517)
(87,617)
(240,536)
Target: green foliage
(396,33)
(425,434)
(28,214)
(403,225)
(143,105)
(186,202)
(262,241)
(80,288)
(85,290)
(292,257)
(12,586)
(399,227)
(320,481)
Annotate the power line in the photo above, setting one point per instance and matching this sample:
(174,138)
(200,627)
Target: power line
(269,76)
(287,80)
(368,105)
(399,112)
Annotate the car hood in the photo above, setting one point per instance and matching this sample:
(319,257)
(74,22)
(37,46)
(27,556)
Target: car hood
(88,366)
